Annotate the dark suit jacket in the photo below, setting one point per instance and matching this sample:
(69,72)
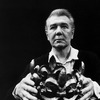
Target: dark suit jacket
(91,61)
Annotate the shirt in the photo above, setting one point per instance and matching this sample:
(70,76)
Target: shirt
(68,64)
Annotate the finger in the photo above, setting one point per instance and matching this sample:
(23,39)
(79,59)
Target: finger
(19,90)
(86,80)
(24,98)
(28,80)
(28,75)
(29,88)
(88,88)
(28,96)
(86,96)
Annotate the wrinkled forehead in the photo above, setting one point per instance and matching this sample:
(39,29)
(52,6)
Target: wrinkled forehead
(57,20)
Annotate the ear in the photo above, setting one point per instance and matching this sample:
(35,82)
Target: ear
(72,36)
(46,31)
(72,33)
(47,36)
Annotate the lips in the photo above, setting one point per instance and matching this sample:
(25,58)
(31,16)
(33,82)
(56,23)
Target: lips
(59,40)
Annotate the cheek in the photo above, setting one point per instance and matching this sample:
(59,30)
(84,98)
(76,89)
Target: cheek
(49,37)
(69,34)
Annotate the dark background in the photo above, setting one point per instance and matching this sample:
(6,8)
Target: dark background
(22,35)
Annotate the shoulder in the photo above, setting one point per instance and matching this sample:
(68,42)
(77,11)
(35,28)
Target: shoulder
(90,59)
(43,59)
(88,55)
(92,64)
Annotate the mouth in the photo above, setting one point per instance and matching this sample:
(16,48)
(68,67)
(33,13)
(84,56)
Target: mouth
(59,40)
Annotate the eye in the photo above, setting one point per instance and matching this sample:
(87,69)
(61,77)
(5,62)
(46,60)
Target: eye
(64,26)
(52,27)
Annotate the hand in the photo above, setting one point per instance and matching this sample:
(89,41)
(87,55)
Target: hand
(88,88)
(25,87)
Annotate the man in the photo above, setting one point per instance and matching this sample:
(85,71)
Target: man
(60,31)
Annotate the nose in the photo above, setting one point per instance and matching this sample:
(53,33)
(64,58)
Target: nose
(58,31)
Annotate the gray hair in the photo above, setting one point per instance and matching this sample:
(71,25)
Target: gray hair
(62,12)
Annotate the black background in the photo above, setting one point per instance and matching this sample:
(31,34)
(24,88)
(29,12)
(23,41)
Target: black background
(22,35)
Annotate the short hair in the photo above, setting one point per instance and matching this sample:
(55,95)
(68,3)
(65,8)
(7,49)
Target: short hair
(62,12)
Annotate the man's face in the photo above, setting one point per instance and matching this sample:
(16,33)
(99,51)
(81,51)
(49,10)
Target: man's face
(59,31)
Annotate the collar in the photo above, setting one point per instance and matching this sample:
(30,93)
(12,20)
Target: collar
(73,55)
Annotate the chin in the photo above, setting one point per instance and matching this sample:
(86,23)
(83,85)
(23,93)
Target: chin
(60,46)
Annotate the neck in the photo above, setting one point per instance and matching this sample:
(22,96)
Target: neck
(62,54)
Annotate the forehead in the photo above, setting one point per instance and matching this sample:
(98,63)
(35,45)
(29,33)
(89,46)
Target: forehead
(58,19)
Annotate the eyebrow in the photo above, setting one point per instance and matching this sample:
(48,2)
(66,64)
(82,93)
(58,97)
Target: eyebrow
(58,24)
(62,23)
